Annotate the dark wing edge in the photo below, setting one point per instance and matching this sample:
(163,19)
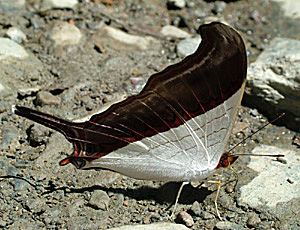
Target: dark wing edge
(135,118)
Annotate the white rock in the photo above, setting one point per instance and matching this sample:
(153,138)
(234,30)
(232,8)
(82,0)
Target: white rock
(141,42)
(274,78)
(11,5)
(155,226)
(64,33)
(67,4)
(188,46)
(176,3)
(271,186)
(291,8)
(174,32)
(11,49)
(16,34)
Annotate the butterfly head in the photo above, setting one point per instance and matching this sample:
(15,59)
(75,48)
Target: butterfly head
(226,160)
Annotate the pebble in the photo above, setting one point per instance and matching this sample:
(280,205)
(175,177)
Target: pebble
(2,223)
(226,225)
(188,46)
(35,205)
(207,215)
(174,32)
(11,6)
(253,220)
(219,7)
(240,127)
(185,218)
(12,171)
(60,4)
(64,33)
(11,49)
(37,134)
(10,136)
(46,98)
(154,226)
(15,34)
(175,4)
(196,209)
(99,200)
(3,107)
(142,43)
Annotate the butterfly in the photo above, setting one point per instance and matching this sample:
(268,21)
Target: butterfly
(177,127)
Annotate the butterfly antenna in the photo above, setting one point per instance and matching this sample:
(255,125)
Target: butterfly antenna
(260,128)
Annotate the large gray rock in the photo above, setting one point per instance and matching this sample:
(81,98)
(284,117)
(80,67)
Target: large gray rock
(274,81)
(291,8)
(277,182)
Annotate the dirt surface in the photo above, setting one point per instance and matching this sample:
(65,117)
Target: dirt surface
(85,77)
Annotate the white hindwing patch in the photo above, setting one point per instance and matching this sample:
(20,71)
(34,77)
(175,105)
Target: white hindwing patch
(186,153)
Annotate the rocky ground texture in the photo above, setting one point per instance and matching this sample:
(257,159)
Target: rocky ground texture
(71,58)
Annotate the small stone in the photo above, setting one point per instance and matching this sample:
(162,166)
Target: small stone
(175,4)
(60,4)
(196,209)
(99,200)
(37,135)
(207,215)
(142,43)
(2,106)
(12,5)
(64,33)
(15,34)
(10,136)
(46,98)
(240,127)
(146,220)
(219,7)
(185,218)
(154,226)
(226,225)
(9,48)
(2,223)
(19,184)
(229,188)
(35,205)
(253,220)
(188,46)
(174,32)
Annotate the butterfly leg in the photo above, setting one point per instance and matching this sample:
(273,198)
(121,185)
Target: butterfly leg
(217,195)
(177,198)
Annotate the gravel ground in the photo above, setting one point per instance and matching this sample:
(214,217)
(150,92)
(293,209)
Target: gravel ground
(76,78)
